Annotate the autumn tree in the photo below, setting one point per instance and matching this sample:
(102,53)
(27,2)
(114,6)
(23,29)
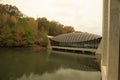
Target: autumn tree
(6,37)
(51,27)
(69,29)
(13,21)
(17,30)
(4,19)
(11,10)
(2,9)
(43,22)
(55,28)
(42,37)
(19,36)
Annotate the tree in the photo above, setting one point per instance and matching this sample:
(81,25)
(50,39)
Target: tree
(13,21)
(55,28)
(4,18)
(59,29)
(11,10)
(32,24)
(19,36)
(6,37)
(29,36)
(17,30)
(2,9)
(43,22)
(68,29)
(42,38)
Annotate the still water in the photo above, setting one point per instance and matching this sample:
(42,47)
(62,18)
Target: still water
(27,64)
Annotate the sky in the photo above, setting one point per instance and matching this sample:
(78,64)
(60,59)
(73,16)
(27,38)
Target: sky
(83,15)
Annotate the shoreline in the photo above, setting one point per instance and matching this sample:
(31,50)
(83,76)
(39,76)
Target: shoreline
(34,47)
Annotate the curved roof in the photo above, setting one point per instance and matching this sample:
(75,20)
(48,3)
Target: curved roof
(75,37)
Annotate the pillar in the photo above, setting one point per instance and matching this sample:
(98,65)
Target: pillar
(119,43)
(105,32)
(113,40)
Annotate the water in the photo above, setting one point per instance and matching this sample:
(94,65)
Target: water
(27,64)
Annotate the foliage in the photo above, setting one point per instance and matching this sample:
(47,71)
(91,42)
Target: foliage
(55,28)
(4,19)
(43,22)
(42,38)
(69,29)
(19,36)
(17,30)
(11,10)
(6,37)
(29,36)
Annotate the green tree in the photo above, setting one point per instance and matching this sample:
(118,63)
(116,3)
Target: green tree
(55,28)
(33,25)
(43,22)
(6,37)
(16,30)
(29,36)
(42,38)
(19,36)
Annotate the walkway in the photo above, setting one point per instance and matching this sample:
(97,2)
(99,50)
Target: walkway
(74,49)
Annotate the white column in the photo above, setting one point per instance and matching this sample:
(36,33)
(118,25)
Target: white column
(119,41)
(105,32)
(113,40)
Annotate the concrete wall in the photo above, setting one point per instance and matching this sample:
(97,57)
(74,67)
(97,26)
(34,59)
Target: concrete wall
(113,40)
(105,32)
(119,42)
(110,56)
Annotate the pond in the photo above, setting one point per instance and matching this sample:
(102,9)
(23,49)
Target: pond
(27,64)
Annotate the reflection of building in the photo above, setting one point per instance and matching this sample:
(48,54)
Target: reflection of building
(76,40)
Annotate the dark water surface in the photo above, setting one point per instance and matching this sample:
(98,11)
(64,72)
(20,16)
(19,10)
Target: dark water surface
(27,64)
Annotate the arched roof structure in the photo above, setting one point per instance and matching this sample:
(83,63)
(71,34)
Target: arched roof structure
(75,37)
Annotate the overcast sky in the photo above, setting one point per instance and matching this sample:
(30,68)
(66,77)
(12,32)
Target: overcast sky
(83,15)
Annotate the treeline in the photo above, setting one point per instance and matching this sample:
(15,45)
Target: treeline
(18,30)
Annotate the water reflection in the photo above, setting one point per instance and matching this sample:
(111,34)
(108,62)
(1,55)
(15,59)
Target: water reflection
(63,74)
(27,64)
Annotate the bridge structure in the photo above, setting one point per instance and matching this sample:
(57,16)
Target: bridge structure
(84,42)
